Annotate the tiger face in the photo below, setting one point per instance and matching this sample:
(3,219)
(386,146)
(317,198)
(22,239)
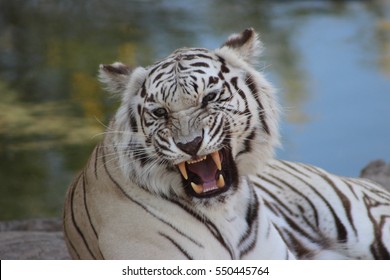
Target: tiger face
(193,123)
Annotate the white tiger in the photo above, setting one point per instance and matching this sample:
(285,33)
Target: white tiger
(186,171)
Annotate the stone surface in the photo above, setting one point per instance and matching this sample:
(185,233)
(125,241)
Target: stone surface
(47,225)
(32,245)
(35,239)
(377,171)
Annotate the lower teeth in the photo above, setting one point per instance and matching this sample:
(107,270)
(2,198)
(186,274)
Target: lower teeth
(221,181)
(197,188)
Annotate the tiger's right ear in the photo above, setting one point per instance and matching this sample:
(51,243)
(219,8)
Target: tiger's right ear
(115,76)
(245,44)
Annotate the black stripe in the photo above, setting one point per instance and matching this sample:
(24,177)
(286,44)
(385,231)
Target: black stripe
(164,143)
(346,182)
(213,80)
(294,168)
(251,245)
(72,247)
(297,227)
(247,143)
(218,128)
(252,86)
(296,191)
(213,125)
(201,55)
(139,154)
(265,189)
(377,248)
(224,69)
(181,67)
(144,207)
(143,90)
(89,216)
(66,236)
(87,211)
(210,226)
(341,230)
(199,71)
(298,247)
(271,208)
(184,252)
(379,191)
(344,200)
(133,120)
(96,160)
(234,82)
(200,64)
(86,207)
(238,90)
(290,212)
(158,77)
(75,223)
(251,217)
(166,79)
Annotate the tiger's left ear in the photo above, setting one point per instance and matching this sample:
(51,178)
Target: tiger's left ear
(245,44)
(115,76)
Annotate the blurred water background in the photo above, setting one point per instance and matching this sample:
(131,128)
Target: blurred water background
(329,60)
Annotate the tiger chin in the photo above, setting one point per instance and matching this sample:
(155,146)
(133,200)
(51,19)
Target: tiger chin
(186,171)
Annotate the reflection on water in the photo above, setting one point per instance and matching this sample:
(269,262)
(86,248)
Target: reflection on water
(330,61)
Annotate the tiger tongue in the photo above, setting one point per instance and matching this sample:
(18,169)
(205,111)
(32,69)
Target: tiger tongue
(205,169)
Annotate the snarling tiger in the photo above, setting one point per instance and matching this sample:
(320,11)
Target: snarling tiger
(186,171)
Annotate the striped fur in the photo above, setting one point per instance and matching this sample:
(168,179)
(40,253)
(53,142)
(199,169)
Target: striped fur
(186,171)
(315,210)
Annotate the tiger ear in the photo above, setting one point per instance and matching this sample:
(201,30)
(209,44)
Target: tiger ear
(114,76)
(245,44)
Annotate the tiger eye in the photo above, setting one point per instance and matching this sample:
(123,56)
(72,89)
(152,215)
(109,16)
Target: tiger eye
(209,97)
(160,112)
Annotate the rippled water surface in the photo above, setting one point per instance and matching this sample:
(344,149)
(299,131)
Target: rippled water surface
(329,60)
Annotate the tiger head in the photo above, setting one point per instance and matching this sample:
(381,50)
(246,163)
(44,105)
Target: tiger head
(193,123)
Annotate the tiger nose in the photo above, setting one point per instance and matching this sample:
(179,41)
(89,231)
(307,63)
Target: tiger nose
(191,147)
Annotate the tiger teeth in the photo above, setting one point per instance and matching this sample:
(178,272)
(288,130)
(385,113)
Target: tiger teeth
(197,188)
(196,160)
(217,160)
(183,170)
(221,181)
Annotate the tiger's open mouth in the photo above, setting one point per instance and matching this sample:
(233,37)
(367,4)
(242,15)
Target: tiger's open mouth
(207,175)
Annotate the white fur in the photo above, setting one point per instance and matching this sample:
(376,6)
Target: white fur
(127,204)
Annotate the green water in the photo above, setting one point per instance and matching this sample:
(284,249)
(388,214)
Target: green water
(329,60)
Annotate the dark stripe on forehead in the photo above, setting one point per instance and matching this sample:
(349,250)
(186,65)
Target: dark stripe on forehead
(158,77)
(195,56)
(181,67)
(199,71)
(213,80)
(200,64)
(160,66)
(224,69)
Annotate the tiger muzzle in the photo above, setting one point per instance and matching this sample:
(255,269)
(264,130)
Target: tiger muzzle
(208,175)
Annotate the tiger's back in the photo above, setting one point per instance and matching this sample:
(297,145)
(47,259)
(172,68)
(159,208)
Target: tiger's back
(349,216)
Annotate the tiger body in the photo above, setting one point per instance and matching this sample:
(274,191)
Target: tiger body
(186,171)
(169,228)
